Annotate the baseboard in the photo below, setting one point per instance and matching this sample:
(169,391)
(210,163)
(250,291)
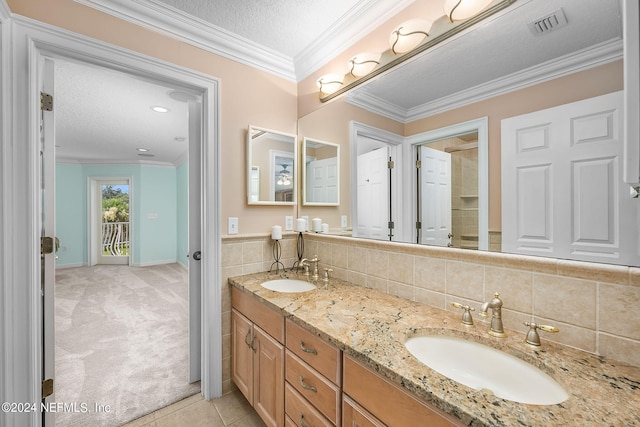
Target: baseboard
(74,265)
(152,263)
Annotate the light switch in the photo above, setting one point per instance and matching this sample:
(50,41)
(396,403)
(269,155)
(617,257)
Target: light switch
(288,223)
(233,225)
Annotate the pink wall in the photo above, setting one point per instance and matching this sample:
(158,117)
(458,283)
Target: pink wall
(248,96)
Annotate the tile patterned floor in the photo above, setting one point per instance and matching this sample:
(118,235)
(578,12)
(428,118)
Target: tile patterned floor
(231,410)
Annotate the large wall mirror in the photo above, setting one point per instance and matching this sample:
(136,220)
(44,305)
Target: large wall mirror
(320,173)
(271,167)
(475,207)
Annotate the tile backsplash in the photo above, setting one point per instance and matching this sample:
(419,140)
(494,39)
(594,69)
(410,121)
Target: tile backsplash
(593,305)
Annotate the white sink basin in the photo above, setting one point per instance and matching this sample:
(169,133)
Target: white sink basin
(288,285)
(481,367)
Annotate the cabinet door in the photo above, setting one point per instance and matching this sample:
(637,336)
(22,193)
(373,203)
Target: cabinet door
(268,379)
(354,415)
(242,354)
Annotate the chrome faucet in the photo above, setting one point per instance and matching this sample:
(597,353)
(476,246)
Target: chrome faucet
(314,261)
(496,329)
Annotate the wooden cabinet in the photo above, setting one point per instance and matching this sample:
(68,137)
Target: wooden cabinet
(313,373)
(257,362)
(388,402)
(354,415)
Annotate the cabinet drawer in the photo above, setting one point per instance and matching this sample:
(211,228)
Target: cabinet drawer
(322,393)
(267,319)
(300,413)
(320,355)
(387,401)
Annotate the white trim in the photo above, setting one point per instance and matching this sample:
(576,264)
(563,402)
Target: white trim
(160,17)
(22,332)
(582,60)
(352,27)
(176,24)
(480,125)
(5,11)
(103,162)
(631,29)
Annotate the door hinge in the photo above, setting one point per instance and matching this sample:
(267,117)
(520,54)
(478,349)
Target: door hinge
(47,388)
(418,164)
(46,245)
(390,164)
(46,102)
(391,225)
(418,225)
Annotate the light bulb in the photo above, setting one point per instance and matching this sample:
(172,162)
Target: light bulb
(330,83)
(458,10)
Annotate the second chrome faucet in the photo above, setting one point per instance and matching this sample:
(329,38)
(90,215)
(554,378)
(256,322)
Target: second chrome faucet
(496,329)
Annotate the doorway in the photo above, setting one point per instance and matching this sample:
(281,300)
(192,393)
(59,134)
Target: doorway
(112,242)
(29,343)
(118,293)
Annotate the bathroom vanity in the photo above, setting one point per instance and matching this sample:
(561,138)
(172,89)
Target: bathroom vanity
(339,359)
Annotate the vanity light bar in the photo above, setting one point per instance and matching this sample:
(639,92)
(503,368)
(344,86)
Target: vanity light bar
(351,82)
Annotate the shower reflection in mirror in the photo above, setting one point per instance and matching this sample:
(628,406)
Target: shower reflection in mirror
(447,182)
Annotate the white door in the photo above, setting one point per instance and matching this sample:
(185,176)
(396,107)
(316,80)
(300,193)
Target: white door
(47,168)
(562,184)
(322,180)
(195,227)
(435,197)
(373,194)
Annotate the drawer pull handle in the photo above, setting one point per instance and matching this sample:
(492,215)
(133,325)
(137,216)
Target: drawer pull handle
(302,423)
(250,344)
(307,387)
(246,338)
(308,350)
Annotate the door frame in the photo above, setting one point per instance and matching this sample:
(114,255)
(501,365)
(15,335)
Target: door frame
(480,125)
(94,227)
(23,42)
(394,142)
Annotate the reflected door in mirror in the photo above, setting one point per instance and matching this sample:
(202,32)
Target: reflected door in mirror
(271,167)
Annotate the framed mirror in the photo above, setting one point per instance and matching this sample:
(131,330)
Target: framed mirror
(271,167)
(320,173)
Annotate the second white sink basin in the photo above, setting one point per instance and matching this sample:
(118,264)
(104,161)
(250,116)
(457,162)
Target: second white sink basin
(288,285)
(482,367)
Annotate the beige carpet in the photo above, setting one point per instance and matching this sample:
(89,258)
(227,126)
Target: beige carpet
(122,341)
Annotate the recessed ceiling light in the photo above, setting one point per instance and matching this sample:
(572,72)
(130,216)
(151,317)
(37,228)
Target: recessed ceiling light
(142,150)
(160,109)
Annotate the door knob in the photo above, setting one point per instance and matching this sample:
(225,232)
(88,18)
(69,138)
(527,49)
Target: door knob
(197,255)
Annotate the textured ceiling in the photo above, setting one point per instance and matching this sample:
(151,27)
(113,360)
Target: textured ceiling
(103,115)
(494,49)
(286,26)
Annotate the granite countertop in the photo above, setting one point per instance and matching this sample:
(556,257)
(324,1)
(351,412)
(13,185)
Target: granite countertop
(372,327)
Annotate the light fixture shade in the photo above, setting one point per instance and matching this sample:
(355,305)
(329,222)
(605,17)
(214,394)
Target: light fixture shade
(457,10)
(409,35)
(363,63)
(330,83)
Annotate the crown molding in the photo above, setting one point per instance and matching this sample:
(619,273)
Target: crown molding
(106,162)
(582,60)
(352,27)
(174,23)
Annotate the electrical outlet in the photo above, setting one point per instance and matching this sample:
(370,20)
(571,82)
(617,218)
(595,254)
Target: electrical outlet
(306,220)
(343,221)
(233,225)
(288,223)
